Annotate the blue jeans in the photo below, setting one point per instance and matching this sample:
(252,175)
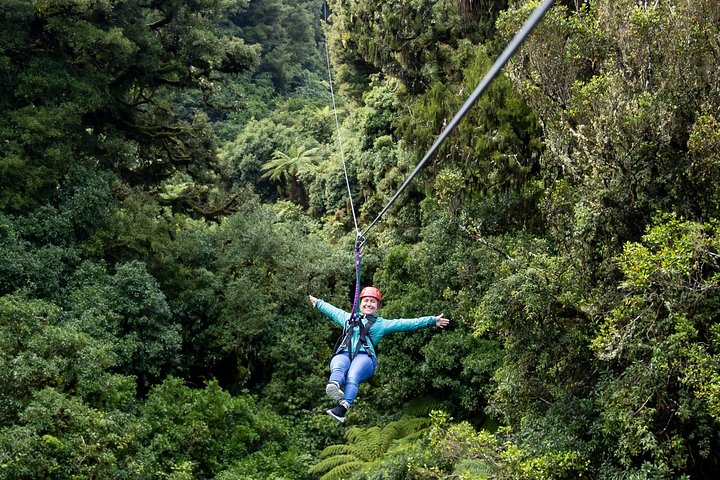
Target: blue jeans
(351,374)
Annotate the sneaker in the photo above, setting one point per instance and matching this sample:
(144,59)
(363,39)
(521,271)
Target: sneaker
(333,391)
(339,411)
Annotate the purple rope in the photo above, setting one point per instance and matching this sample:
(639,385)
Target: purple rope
(357,282)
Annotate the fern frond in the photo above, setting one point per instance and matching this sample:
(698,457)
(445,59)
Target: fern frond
(332,463)
(343,471)
(414,436)
(392,432)
(355,434)
(375,442)
(340,449)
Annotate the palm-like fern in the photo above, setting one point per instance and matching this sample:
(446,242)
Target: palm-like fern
(286,166)
(365,447)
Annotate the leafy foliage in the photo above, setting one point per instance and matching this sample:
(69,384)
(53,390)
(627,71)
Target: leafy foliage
(366,447)
(661,342)
(617,114)
(128,311)
(172,189)
(98,85)
(288,32)
(404,39)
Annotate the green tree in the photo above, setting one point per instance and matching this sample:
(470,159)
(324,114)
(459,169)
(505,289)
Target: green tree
(36,270)
(288,32)
(129,311)
(59,435)
(270,259)
(460,451)
(286,168)
(39,352)
(98,86)
(660,345)
(252,148)
(63,411)
(204,431)
(620,92)
(407,40)
(488,173)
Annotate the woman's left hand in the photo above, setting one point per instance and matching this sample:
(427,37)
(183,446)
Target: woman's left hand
(441,321)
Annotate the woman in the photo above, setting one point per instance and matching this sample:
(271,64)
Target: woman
(354,360)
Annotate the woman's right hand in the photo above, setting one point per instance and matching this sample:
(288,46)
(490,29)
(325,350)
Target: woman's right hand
(313,300)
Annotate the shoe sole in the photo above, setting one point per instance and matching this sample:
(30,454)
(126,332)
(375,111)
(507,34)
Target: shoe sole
(339,419)
(334,392)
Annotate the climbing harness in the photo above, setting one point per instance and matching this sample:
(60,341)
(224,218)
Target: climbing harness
(514,44)
(345,340)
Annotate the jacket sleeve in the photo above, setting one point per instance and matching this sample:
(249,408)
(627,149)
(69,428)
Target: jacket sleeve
(335,314)
(407,324)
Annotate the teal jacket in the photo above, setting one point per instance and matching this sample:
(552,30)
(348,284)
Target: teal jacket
(379,329)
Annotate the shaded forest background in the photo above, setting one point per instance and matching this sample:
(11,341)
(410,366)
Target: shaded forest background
(171,190)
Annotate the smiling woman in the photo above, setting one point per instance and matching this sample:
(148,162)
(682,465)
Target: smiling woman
(354,360)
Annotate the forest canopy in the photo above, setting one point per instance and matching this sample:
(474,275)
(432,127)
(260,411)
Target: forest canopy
(177,176)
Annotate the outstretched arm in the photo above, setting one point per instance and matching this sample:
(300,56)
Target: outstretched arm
(336,315)
(410,324)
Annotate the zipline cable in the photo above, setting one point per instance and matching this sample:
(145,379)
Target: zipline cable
(337,127)
(359,239)
(519,37)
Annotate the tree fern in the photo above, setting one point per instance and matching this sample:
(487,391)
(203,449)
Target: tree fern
(365,447)
(337,450)
(335,466)
(341,472)
(286,166)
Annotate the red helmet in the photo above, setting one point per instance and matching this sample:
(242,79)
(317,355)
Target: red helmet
(371,292)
